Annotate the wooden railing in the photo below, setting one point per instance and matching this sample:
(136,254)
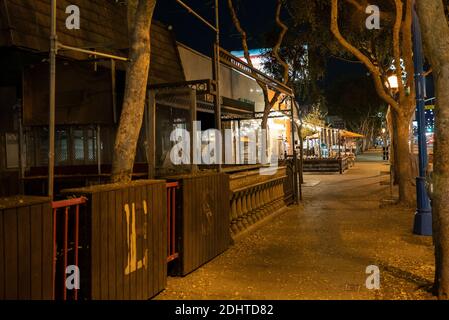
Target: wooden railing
(252,203)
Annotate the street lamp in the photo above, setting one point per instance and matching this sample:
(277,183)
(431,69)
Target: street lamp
(393,82)
(423,216)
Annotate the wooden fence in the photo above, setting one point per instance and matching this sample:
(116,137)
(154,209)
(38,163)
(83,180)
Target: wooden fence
(203,219)
(26,249)
(124,251)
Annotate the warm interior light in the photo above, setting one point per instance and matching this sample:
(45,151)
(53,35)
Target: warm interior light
(393,81)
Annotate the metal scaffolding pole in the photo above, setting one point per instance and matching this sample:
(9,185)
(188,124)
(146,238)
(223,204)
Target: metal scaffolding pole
(61,46)
(52,102)
(297,186)
(207,23)
(54,47)
(217,81)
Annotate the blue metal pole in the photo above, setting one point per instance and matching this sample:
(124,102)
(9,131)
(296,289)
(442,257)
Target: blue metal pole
(423,216)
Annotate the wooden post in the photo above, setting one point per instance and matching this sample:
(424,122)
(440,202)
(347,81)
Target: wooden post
(296,183)
(339,143)
(52,103)
(193,111)
(239,151)
(22,160)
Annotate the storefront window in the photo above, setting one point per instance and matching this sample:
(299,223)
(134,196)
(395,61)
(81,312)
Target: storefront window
(61,147)
(78,145)
(12,151)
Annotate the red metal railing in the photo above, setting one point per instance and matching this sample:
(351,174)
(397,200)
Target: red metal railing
(64,207)
(171,220)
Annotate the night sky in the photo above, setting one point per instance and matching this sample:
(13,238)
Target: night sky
(256,17)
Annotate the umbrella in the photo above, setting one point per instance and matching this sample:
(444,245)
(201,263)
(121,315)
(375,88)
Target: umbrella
(349,134)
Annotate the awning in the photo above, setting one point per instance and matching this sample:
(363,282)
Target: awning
(314,136)
(349,134)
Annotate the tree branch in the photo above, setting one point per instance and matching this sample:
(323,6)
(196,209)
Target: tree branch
(278,44)
(397,45)
(380,87)
(407,45)
(357,5)
(268,103)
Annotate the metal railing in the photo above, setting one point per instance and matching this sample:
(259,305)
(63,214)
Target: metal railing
(65,208)
(172,187)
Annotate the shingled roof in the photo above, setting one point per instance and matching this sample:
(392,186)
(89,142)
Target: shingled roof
(26,24)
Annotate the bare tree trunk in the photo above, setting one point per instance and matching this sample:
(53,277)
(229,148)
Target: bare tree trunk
(407,190)
(436,38)
(440,194)
(402,102)
(135,92)
(391,119)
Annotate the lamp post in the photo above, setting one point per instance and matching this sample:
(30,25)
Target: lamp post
(392,83)
(423,217)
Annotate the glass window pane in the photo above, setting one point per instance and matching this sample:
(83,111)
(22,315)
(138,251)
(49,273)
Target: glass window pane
(78,144)
(61,147)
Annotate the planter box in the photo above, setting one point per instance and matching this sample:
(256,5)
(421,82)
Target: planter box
(326,165)
(26,248)
(124,240)
(202,220)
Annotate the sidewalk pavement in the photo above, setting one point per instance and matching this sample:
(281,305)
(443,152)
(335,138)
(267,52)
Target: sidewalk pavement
(321,249)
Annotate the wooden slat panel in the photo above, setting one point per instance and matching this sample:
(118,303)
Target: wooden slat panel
(120,242)
(193,224)
(11,251)
(200,220)
(145,243)
(47,251)
(151,250)
(163,212)
(2,256)
(205,220)
(95,246)
(148,280)
(216,218)
(139,241)
(133,276)
(186,236)
(24,253)
(26,250)
(112,279)
(163,240)
(103,229)
(36,252)
(125,230)
(155,238)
